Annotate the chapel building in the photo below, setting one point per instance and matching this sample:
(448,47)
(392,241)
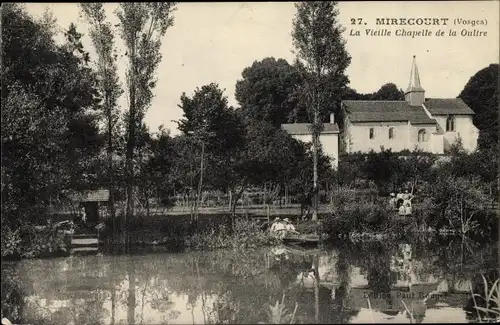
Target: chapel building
(428,124)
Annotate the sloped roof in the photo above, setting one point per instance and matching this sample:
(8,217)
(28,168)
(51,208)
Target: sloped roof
(91,196)
(385,111)
(445,106)
(414,84)
(303,128)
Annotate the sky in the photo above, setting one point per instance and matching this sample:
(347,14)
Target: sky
(214,42)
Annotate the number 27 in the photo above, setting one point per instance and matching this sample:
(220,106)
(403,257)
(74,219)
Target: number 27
(359,21)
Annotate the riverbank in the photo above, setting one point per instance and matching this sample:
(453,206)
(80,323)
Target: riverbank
(362,221)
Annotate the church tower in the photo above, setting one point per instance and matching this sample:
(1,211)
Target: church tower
(415,94)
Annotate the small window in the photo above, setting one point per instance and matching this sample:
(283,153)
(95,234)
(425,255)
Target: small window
(422,135)
(450,124)
(391,133)
(372,133)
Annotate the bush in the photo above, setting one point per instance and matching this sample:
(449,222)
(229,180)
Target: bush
(11,242)
(356,214)
(29,241)
(244,234)
(460,204)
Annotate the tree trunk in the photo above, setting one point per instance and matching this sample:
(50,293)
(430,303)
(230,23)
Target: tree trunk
(131,139)
(113,290)
(200,183)
(233,207)
(236,197)
(131,301)
(281,197)
(316,288)
(315,171)
(111,185)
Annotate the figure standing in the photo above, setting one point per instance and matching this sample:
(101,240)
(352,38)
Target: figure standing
(392,201)
(83,215)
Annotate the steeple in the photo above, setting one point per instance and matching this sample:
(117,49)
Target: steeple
(415,94)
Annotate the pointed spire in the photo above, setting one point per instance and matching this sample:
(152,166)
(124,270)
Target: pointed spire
(414,84)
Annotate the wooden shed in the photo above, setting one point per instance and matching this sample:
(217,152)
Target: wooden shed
(92,201)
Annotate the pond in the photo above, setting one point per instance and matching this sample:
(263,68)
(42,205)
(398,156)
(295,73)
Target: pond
(347,283)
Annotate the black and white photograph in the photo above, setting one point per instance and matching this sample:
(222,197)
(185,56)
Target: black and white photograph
(312,162)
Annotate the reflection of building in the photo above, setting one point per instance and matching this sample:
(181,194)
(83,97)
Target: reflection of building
(412,296)
(431,125)
(391,303)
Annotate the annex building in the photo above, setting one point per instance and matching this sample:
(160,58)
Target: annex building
(329,137)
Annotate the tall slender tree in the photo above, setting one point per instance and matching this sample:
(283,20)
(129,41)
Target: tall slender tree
(323,59)
(142,27)
(103,40)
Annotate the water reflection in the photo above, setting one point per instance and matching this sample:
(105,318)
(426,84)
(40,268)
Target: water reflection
(372,282)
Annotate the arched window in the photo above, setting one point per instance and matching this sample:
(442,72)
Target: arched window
(450,123)
(391,133)
(372,133)
(422,135)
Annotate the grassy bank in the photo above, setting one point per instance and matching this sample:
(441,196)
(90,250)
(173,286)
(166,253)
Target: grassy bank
(30,241)
(210,232)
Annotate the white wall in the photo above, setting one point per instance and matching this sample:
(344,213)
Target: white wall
(428,145)
(358,136)
(437,143)
(405,137)
(464,128)
(329,144)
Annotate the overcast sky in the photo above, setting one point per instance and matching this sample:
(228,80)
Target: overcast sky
(214,42)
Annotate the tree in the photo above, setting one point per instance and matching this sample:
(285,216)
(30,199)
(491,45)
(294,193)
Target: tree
(109,86)
(299,174)
(481,94)
(389,91)
(382,168)
(266,91)
(267,157)
(142,27)
(208,117)
(211,123)
(156,178)
(49,135)
(352,94)
(319,45)
(461,204)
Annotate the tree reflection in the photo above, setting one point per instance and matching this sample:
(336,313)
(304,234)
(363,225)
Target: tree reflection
(228,286)
(379,273)
(12,296)
(131,302)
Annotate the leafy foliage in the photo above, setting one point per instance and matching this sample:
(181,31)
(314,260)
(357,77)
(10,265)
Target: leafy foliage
(142,26)
(481,94)
(109,86)
(244,234)
(238,153)
(268,91)
(322,60)
(209,118)
(49,132)
(461,204)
